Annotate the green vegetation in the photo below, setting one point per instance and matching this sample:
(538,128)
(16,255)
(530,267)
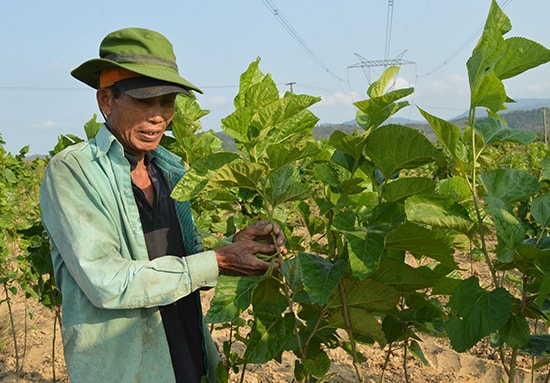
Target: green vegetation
(19,213)
(377,220)
(532,119)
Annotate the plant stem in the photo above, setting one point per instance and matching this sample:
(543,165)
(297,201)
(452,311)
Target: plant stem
(228,354)
(471,121)
(513,359)
(471,118)
(514,356)
(286,289)
(315,328)
(349,330)
(347,321)
(386,361)
(483,242)
(243,372)
(503,361)
(331,237)
(14,334)
(290,302)
(25,337)
(57,319)
(405,352)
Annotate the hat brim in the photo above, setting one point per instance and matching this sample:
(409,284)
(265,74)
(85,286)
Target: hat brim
(88,72)
(147,87)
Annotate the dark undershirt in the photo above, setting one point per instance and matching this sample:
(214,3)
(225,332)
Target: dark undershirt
(181,319)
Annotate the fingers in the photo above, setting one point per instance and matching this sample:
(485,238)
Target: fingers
(254,247)
(266,232)
(265,248)
(255,267)
(263,228)
(279,237)
(265,235)
(244,264)
(260,230)
(252,231)
(239,259)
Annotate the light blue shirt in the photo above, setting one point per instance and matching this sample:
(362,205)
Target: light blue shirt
(112,329)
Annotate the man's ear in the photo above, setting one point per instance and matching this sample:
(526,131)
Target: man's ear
(104,98)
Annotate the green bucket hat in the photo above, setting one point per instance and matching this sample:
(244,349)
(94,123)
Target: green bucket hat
(142,51)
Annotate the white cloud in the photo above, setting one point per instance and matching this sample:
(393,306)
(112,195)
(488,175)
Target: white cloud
(539,89)
(336,107)
(51,125)
(448,86)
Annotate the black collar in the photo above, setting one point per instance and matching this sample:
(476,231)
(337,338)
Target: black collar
(133,159)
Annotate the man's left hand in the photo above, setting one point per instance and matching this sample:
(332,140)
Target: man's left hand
(263,231)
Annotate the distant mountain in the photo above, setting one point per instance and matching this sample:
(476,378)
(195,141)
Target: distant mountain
(523,104)
(525,114)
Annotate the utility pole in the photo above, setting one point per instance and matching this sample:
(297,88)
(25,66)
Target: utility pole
(544,125)
(291,86)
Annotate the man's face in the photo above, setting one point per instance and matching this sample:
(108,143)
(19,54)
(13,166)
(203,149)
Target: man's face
(137,123)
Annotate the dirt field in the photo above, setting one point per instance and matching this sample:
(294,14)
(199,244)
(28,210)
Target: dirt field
(479,365)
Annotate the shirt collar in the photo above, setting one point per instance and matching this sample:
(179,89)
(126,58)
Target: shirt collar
(105,140)
(133,159)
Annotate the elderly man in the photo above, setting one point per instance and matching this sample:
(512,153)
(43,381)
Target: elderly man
(127,257)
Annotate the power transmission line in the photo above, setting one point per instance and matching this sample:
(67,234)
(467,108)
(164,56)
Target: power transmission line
(386,62)
(284,22)
(49,88)
(38,88)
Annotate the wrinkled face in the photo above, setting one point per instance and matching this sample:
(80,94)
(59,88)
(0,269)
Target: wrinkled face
(138,124)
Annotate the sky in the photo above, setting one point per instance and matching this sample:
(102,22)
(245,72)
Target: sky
(318,46)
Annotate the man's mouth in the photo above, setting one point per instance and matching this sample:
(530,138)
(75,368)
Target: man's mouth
(149,135)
